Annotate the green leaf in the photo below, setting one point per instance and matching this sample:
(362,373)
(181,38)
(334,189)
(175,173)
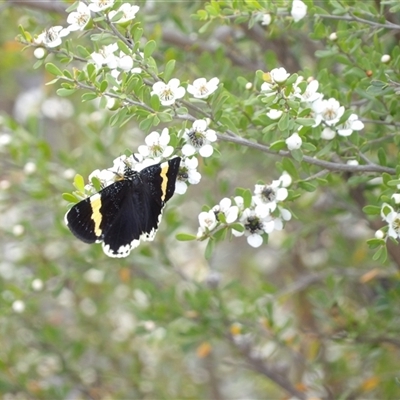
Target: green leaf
(283,122)
(229,123)
(53,69)
(89,96)
(91,71)
(184,237)
(169,69)
(149,48)
(63,92)
(82,51)
(382,156)
(237,227)
(123,47)
(305,121)
(307,186)
(69,197)
(247,197)
(221,217)
(182,111)
(205,27)
(155,102)
(103,86)
(386,178)
(164,117)
(372,210)
(374,243)
(220,234)
(79,183)
(393,182)
(147,124)
(308,146)
(117,16)
(278,145)
(289,167)
(297,155)
(209,249)
(96,183)
(52,81)
(380,255)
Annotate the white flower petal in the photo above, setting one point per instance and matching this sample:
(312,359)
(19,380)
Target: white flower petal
(180,187)
(188,150)
(206,151)
(254,240)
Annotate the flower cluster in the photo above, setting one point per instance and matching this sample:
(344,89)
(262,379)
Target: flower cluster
(262,216)
(79,19)
(171,91)
(326,113)
(121,62)
(298,12)
(198,139)
(392,218)
(155,150)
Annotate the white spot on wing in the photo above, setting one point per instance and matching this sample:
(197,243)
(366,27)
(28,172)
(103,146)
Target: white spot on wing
(123,251)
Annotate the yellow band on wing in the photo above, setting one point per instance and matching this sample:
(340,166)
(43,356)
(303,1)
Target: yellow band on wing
(95,202)
(164,177)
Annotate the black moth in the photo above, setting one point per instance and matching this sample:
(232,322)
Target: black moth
(127,211)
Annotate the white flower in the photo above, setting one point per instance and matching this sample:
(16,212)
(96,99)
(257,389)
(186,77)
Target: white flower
(255,226)
(285,180)
(39,53)
(37,284)
(396,198)
(311,93)
(106,56)
(78,19)
(100,5)
(125,62)
(18,230)
(105,176)
(266,20)
(207,222)
(52,37)
(393,219)
(294,141)
(168,92)
(299,10)
(352,124)
(198,139)
(187,173)
(352,162)
(201,89)
(333,36)
(328,134)
(385,58)
(18,306)
(268,89)
(128,12)
(157,145)
(266,197)
(30,168)
(379,234)
(279,75)
(285,214)
(225,206)
(330,110)
(274,114)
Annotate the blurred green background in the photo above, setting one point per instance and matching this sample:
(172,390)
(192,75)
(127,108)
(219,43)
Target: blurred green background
(308,315)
